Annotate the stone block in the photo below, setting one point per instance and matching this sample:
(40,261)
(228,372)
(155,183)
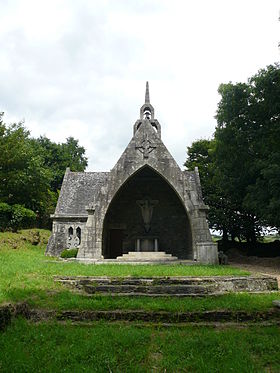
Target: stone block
(207,253)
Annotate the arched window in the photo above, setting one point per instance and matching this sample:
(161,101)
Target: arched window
(78,234)
(70,232)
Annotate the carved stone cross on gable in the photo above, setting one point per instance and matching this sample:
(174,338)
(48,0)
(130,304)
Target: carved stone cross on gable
(146,146)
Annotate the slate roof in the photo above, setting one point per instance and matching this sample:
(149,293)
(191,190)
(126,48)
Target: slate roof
(78,191)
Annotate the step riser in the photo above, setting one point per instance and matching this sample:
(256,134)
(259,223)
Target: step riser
(169,286)
(146,256)
(146,289)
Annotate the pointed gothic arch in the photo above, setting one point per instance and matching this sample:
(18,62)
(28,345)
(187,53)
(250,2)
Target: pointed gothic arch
(145,194)
(123,223)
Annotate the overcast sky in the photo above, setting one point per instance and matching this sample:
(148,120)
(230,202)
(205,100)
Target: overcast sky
(78,68)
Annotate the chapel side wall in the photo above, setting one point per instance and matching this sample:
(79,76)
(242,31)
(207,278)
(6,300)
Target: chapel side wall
(59,239)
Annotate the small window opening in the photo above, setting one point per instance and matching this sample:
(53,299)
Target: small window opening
(155,127)
(147,113)
(70,232)
(78,234)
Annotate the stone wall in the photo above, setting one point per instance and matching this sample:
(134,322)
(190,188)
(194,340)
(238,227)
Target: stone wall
(59,239)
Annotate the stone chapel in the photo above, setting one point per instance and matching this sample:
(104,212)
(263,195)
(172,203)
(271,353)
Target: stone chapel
(145,208)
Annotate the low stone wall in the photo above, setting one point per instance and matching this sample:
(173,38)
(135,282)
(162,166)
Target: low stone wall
(171,286)
(218,316)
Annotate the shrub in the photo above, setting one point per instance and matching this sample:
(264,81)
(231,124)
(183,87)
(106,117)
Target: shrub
(5,215)
(69,253)
(21,217)
(15,217)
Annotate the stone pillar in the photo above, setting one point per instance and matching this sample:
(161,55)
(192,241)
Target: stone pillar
(91,247)
(207,252)
(156,244)
(138,245)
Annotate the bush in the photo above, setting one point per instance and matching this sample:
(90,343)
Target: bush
(22,217)
(5,215)
(15,217)
(69,253)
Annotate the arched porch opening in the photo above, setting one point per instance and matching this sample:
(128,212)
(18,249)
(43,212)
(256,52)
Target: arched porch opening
(125,224)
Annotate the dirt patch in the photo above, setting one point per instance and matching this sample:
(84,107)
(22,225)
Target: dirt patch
(254,264)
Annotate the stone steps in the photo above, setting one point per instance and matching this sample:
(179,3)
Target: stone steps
(12,311)
(138,256)
(169,286)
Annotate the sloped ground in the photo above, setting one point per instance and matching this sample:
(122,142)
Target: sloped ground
(254,264)
(56,330)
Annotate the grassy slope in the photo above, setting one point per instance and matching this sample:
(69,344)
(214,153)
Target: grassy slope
(120,347)
(27,275)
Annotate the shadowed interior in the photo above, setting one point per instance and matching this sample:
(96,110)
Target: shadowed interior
(124,223)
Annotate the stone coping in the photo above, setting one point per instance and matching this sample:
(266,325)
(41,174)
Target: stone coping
(177,286)
(12,311)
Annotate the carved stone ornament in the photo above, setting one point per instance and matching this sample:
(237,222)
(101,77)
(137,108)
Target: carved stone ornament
(73,242)
(147,208)
(146,146)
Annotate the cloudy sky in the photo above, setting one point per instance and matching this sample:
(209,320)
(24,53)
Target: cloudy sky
(78,68)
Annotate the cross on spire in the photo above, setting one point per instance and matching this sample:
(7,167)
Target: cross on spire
(147,94)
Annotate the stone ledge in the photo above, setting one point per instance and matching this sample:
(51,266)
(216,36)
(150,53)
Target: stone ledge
(216,316)
(169,286)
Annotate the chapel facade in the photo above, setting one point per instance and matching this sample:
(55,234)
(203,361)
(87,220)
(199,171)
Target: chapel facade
(145,205)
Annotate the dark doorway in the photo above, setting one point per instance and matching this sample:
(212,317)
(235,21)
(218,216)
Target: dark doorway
(116,242)
(169,222)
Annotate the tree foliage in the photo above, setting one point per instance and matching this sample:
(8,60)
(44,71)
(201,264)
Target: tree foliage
(59,156)
(31,173)
(240,166)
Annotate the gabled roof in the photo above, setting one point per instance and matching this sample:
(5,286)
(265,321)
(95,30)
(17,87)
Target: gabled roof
(78,191)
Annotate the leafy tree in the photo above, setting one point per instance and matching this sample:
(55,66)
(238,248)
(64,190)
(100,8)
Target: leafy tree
(59,156)
(23,178)
(31,174)
(247,147)
(223,215)
(240,167)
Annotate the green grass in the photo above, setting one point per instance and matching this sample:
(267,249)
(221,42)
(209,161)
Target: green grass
(120,347)
(27,275)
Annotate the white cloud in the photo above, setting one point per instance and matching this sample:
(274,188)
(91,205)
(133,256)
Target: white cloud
(79,68)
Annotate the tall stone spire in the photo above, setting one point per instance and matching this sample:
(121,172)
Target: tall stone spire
(147,115)
(147,94)
(147,110)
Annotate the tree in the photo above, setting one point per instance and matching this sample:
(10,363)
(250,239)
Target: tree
(223,215)
(31,174)
(240,166)
(23,179)
(59,156)
(247,145)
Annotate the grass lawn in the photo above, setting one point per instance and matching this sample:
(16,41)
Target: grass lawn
(48,346)
(27,275)
(120,347)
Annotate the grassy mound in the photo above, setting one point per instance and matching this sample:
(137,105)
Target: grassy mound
(26,236)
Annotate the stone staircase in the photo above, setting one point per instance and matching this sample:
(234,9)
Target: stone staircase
(146,256)
(169,286)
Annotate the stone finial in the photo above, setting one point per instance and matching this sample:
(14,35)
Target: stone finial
(147,94)
(147,110)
